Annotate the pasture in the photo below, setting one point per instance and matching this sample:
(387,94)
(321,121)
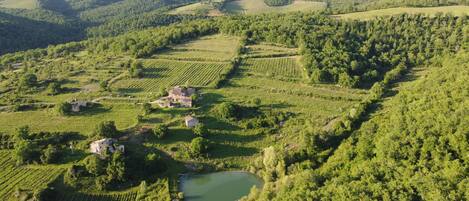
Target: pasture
(24,4)
(258,6)
(367,15)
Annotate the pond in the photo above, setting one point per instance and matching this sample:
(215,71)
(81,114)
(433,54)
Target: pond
(219,186)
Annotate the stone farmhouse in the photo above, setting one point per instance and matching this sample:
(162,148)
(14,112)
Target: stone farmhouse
(100,146)
(177,97)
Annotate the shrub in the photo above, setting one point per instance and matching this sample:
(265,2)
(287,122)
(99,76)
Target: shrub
(54,88)
(64,108)
(200,130)
(160,131)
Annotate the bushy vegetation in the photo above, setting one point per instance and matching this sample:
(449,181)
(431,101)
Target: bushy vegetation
(393,144)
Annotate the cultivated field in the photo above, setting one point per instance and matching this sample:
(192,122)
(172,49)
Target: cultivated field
(258,6)
(455,10)
(26,4)
(273,67)
(25,177)
(160,74)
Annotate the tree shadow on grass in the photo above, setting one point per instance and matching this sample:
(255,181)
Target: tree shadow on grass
(214,123)
(223,151)
(176,135)
(94,110)
(129,90)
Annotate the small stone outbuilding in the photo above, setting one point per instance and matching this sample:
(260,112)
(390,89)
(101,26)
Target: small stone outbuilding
(191,121)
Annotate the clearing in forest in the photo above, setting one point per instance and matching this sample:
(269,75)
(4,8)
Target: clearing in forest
(258,6)
(25,4)
(367,15)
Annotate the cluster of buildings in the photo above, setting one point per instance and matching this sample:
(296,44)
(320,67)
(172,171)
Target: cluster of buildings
(177,97)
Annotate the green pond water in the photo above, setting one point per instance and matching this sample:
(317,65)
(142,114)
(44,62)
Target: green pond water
(220,186)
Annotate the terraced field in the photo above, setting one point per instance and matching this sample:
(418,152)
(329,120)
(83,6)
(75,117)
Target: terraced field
(26,177)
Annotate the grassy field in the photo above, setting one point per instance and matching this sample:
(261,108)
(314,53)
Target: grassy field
(26,177)
(48,120)
(26,4)
(455,10)
(258,6)
(196,8)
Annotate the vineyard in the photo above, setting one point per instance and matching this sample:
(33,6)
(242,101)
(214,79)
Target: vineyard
(164,73)
(269,50)
(129,196)
(273,67)
(26,177)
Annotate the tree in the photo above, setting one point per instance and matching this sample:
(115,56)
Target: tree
(22,133)
(136,69)
(54,88)
(64,108)
(225,110)
(116,168)
(28,80)
(200,130)
(50,154)
(199,146)
(25,152)
(160,130)
(346,81)
(94,165)
(106,129)
(71,176)
(147,108)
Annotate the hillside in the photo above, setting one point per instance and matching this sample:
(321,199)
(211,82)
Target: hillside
(310,106)
(414,147)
